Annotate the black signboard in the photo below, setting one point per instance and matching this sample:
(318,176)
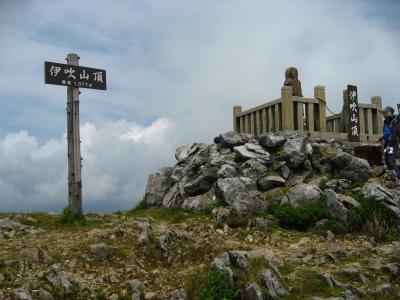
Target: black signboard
(354,135)
(74,76)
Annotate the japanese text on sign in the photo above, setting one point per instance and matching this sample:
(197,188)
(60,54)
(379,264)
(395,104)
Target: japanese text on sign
(74,76)
(354,113)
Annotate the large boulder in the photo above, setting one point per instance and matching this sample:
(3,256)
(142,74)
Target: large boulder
(379,193)
(199,202)
(172,197)
(303,194)
(271,140)
(253,168)
(251,151)
(232,139)
(158,184)
(351,167)
(241,193)
(202,183)
(338,185)
(267,183)
(226,171)
(336,208)
(183,152)
(293,151)
(275,288)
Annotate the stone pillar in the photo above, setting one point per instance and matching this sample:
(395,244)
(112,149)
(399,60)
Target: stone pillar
(346,113)
(319,93)
(236,110)
(377,100)
(287,108)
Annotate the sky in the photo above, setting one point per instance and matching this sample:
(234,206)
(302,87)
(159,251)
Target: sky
(174,70)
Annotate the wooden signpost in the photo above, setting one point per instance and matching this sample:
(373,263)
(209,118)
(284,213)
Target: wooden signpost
(74,77)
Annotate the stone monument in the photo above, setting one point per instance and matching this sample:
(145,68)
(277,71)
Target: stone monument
(291,79)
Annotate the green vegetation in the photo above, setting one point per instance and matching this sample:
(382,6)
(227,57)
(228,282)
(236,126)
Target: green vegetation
(209,284)
(310,283)
(322,183)
(235,221)
(374,219)
(68,218)
(336,227)
(211,204)
(357,184)
(302,217)
(174,214)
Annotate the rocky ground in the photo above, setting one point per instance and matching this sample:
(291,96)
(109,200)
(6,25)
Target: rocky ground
(166,254)
(268,217)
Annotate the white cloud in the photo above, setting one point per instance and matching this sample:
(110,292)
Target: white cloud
(117,158)
(187,61)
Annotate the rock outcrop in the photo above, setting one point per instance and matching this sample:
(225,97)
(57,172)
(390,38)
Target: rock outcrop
(238,168)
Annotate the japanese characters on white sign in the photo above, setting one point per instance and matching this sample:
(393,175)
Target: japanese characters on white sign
(74,76)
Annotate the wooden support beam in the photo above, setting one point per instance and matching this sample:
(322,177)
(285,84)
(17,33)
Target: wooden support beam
(264,120)
(236,110)
(300,120)
(278,118)
(319,93)
(287,108)
(362,120)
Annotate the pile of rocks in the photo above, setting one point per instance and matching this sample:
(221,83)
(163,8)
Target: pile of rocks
(238,168)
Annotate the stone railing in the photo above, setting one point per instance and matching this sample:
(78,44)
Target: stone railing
(308,116)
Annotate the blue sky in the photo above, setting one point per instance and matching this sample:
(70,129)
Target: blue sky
(174,71)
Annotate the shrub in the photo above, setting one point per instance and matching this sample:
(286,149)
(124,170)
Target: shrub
(272,204)
(373,218)
(322,183)
(142,204)
(336,227)
(209,284)
(358,183)
(211,204)
(302,217)
(67,217)
(236,221)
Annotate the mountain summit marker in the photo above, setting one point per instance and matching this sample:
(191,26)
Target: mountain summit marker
(74,77)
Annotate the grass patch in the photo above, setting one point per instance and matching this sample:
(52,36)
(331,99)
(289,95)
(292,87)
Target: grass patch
(374,219)
(171,215)
(208,284)
(68,218)
(357,184)
(311,284)
(211,204)
(236,221)
(302,217)
(322,183)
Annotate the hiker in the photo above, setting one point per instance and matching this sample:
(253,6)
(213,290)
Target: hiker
(389,139)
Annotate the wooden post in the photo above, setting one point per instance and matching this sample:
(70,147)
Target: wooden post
(236,110)
(74,147)
(362,120)
(300,120)
(310,117)
(241,125)
(271,123)
(258,123)
(319,93)
(287,108)
(377,100)
(264,120)
(370,127)
(277,118)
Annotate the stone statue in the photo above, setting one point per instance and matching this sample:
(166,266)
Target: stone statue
(292,80)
